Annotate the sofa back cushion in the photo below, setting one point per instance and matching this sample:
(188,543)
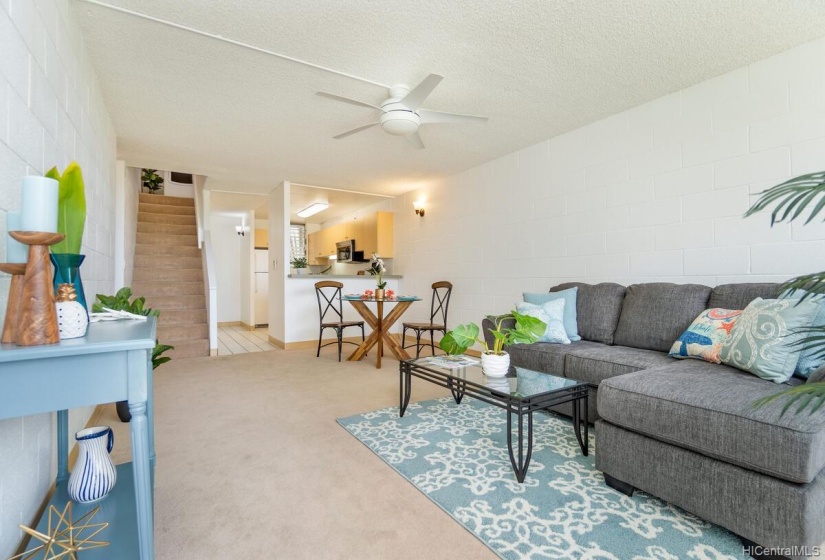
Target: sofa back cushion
(598,307)
(738,296)
(654,315)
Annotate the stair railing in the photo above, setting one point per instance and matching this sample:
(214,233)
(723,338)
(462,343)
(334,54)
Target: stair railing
(209,275)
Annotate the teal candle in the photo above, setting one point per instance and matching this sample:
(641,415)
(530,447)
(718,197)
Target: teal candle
(16,252)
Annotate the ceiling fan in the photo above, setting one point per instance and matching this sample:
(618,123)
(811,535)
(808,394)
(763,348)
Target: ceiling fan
(401,114)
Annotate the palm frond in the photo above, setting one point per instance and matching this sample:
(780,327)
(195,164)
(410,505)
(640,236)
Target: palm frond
(792,197)
(810,394)
(813,284)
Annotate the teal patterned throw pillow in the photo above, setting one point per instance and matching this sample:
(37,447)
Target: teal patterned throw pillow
(551,313)
(762,341)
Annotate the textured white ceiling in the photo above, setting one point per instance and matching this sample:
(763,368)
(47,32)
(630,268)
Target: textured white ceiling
(537,68)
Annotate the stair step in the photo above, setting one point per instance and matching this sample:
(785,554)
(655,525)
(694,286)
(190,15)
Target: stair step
(177,229)
(189,349)
(167,275)
(166,209)
(167,200)
(155,262)
(167,239)
(189,331)
(165,303)
(149,288)
(180,219)
(147,249)
(182,316)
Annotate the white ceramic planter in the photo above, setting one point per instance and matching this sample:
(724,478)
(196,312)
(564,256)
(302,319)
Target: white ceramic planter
(495,365)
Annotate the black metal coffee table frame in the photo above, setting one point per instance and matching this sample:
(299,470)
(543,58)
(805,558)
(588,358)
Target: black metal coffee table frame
(516,405)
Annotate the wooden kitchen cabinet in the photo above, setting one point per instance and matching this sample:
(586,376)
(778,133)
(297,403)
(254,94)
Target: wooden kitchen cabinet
(377,235)
(261,238)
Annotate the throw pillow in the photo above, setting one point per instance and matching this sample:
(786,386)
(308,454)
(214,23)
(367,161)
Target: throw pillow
(551,313)
(809,358)
(762,340)
(569,296)
(704,337)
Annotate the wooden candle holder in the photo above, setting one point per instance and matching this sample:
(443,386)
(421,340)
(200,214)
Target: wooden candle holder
(15,297)
(37,316)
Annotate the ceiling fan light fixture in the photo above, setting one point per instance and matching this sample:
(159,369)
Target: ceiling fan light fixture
(400,123)
(313,209)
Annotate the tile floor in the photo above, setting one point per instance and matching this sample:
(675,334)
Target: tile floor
(238,340)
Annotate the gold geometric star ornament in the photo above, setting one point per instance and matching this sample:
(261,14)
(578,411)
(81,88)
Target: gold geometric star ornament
(64,538)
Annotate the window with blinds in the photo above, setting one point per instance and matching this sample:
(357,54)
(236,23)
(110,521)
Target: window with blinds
(297,241)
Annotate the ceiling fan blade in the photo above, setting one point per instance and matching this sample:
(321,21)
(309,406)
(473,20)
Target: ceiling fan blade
(434,117)
(415,140)
(419,93)
(348,100)
(354,130)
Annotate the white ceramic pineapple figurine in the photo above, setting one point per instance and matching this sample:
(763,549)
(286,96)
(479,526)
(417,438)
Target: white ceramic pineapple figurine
(72,320)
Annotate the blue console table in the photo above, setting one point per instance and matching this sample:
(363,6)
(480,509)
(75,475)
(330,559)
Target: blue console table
(111,363)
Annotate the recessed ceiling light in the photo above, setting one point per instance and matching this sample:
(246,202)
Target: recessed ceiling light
(312,209)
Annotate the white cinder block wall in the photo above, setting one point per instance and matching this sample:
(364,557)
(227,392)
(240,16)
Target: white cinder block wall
(655,193)
(51,112)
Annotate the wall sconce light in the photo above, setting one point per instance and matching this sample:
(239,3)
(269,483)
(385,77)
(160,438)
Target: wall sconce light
(242,229)
(419,208)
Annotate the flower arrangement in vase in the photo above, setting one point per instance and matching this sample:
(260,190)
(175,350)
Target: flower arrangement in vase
(377,269)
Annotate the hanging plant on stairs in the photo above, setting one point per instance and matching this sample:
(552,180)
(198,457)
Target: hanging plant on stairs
(120,302)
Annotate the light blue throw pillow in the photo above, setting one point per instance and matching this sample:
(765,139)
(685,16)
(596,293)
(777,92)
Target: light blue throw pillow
(763,340)
(571,324)
(809,358)
(551,313)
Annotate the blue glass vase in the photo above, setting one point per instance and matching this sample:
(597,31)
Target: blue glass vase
(67,271)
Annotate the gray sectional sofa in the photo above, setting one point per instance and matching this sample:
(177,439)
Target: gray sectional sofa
(686,430)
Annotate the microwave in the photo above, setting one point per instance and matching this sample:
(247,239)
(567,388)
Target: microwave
(346,253)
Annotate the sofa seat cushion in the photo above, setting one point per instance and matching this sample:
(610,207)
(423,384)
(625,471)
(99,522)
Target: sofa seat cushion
(545,356)
(654,315)
(708,408)
(594,364)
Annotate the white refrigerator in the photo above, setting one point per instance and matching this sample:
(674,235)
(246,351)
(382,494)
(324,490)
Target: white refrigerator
(261,287)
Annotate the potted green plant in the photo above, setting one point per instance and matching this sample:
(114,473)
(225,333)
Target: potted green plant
(790,200)
(120,302)
(300,265)
(495,362)
(151,180)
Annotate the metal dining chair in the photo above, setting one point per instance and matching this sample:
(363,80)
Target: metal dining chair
(328,293)
(438,318)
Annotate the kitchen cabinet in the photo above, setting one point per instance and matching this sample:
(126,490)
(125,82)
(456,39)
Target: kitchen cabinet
(261,238)
(377,235)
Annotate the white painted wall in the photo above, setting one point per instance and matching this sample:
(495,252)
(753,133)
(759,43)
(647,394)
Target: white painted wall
(127,193)
(655,193)
(227,246)
(278,258)
(51,112)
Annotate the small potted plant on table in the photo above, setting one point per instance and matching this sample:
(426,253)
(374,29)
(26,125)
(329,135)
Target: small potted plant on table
(300,265)
(495,362)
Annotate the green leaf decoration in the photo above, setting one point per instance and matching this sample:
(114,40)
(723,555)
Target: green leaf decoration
(810,394)
(450,346)
(71,208)
(792,197)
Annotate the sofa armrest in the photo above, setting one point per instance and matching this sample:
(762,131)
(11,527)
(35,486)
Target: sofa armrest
(818,375)
(487,325)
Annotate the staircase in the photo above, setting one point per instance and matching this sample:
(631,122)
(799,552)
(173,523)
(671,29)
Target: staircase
(168,271)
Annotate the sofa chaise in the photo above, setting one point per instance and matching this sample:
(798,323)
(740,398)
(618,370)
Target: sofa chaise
(686,431)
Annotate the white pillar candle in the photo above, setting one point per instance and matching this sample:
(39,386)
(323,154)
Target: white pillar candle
(38,208)
(16,252)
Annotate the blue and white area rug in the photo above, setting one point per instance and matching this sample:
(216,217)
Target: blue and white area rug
(457,456)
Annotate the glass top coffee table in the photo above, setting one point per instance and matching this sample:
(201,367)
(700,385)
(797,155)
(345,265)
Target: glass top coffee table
(521,393)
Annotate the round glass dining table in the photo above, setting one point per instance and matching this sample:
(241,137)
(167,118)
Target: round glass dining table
(380,325)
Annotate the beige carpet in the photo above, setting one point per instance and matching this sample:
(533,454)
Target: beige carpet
(251,464)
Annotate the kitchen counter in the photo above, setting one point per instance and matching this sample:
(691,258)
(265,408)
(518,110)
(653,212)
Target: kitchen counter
(364,276)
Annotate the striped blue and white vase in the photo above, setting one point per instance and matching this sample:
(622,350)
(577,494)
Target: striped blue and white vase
(94,474)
